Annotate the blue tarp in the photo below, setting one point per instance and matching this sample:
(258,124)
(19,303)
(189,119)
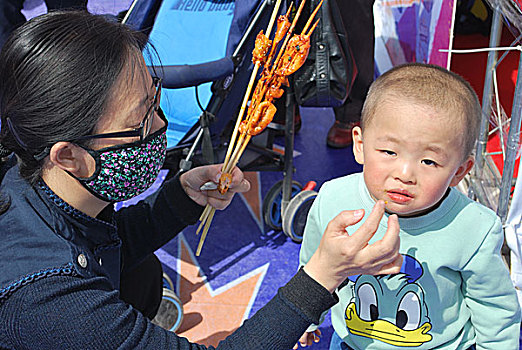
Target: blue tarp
(189,32)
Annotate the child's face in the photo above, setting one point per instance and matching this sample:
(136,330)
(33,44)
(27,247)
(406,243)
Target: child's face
(411,155)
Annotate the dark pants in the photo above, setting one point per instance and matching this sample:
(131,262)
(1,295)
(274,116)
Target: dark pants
(358,22)
(11,16)
(142,287)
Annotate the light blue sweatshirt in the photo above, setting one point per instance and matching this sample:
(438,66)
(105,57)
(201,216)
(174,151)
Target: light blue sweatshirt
(454,288)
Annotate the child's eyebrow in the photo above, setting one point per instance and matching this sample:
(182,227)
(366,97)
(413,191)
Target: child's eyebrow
(435,149)
(388,138)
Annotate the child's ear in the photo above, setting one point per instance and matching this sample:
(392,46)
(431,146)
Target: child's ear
(358,145)
(462,170)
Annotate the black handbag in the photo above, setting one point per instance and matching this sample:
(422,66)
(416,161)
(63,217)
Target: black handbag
(328,73)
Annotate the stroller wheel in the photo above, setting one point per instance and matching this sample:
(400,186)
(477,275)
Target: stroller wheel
(170,312)
(167,282)
(294,218)
(272,204)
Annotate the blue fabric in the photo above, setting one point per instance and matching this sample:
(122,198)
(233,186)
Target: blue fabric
(336,343)
(50,238)
(244,10)
(189,32)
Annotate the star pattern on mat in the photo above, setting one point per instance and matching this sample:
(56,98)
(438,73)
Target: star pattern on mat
(210,315)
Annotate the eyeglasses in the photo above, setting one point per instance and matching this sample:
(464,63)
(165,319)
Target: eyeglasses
(146,125)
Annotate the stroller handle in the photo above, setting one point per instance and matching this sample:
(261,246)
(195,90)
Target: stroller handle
(186,75)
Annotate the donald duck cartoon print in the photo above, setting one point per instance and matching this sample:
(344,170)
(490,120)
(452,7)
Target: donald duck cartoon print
(390,308)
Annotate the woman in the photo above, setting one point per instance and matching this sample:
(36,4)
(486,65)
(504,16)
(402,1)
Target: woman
(81,113)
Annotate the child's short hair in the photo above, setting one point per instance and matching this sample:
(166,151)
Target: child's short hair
(433,86)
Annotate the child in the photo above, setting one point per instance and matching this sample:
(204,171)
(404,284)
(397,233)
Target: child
(419,127)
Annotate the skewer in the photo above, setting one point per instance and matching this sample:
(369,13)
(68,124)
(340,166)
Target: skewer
(312,17)
(234,150)
(240,115)
(240,151)
(312,29)
(208,212)
(203,216)
(205,231)
(276,40)
(250,84)
(281,50)
(287,37)
(240,148)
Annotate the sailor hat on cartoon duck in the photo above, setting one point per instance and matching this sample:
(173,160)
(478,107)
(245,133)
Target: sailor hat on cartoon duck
(390,308)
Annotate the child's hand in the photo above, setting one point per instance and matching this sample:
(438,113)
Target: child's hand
(308,338)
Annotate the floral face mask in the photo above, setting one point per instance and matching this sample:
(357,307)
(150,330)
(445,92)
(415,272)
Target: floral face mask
(125,171)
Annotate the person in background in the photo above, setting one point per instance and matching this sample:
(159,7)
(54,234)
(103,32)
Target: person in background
(81,128)
(419,127)
(11,15)
(358,21)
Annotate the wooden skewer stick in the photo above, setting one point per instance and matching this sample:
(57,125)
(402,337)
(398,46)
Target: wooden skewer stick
(240,147)
(239,152)
(205,231)
(312,18)
(276,40)
(266,82)
(246,97)
(203,217)
(209,211)
(287,38)
(313,28)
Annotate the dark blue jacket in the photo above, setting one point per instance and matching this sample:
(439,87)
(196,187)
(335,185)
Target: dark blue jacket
(60,269)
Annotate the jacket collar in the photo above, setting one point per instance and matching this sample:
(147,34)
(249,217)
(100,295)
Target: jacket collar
(55,211)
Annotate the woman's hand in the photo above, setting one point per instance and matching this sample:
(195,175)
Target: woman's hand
(340,255)
(192,180)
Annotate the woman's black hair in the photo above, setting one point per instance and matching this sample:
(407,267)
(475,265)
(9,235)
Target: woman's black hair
(57,72)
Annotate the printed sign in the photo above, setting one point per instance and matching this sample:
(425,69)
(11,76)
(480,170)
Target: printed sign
(412,31)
